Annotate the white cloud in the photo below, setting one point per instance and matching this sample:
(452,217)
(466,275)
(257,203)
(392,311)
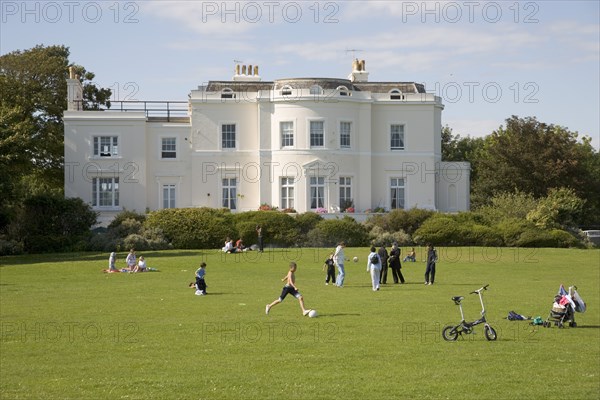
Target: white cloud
(222,18)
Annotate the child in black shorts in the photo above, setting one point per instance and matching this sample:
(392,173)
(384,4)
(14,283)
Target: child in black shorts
(330,265)
(289,288)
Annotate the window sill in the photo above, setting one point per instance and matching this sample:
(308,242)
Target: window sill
(109,209)
(105,158)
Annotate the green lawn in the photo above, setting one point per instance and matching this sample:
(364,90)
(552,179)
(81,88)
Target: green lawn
(70,331)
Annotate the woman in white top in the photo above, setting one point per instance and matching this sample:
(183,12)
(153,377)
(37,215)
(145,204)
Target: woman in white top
(141,265)
(338,259)
(374,267)
(130,260)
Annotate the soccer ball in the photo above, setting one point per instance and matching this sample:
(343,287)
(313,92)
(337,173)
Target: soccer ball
(355,259)
(312,313)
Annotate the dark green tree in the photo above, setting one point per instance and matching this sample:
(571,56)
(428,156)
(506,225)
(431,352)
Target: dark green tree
(533,157)
(49,223)
(33,96)
(457,148)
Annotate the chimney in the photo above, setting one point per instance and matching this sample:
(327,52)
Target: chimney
(74,92)
(248,73)
(359,73)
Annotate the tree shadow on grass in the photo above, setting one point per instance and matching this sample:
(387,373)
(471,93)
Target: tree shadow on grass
(97,256)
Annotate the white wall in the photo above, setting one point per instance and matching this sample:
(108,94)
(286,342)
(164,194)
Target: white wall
(259,161)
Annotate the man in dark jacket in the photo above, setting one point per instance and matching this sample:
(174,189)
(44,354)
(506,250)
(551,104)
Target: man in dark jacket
(431,260)
(383,255)
(395,263)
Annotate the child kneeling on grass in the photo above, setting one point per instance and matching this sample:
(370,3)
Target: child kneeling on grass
(289,288)
(200,284)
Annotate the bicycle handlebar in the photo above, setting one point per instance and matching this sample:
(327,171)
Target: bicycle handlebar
(480,289)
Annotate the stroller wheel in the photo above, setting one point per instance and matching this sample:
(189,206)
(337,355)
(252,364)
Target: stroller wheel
(560,325)
(546,324)
(573,324)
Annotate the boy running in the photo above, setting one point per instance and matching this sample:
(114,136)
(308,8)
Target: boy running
(289,288)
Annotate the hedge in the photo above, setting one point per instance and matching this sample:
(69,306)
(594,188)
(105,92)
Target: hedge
(193,228)
(278,229)
(330,232)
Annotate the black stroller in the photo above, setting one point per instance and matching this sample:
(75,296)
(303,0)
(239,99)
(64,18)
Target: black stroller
(564,307)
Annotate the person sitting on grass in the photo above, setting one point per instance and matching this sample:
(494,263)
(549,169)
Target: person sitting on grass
(228,248)
(289,288)
(411,256)
(239,245)
(111,262)
(130,260)
(141,265)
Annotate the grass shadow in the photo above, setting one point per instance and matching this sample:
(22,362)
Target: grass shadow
(339,315)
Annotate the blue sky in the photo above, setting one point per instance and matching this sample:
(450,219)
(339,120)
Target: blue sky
(488,60)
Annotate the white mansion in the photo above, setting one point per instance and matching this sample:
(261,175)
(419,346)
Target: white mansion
(309,144)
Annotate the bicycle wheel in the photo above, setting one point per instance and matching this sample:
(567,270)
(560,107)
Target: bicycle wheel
(450,333)
(490,333)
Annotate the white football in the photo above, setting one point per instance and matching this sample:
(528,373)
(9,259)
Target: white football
(312,313)
(355,259)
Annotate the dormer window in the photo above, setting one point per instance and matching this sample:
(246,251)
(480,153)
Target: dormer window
(343,91)
(227,93)
(396,94)
(286,90)
(316,90)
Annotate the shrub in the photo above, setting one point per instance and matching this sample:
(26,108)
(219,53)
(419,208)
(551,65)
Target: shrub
(379,237)
(156,239)
(402,220)
(564,239)
(561,208)
(307,222)
(507,206)
(10,247)
(125,215)
(438,230)
(193,228)
(278,229)
(47,223)
(330,232)
(510,230)
(103,241)
(478,235)
(127,231)
(135,241)
(535,238)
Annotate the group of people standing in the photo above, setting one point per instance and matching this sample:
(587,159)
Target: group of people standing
(378,262)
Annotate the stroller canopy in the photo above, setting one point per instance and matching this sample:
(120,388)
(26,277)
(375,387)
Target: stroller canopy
(572,297)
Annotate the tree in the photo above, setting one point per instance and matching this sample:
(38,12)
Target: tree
(560,209)
(457,148)
(533,157)
(508,205)
(33,97)
(48,223)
